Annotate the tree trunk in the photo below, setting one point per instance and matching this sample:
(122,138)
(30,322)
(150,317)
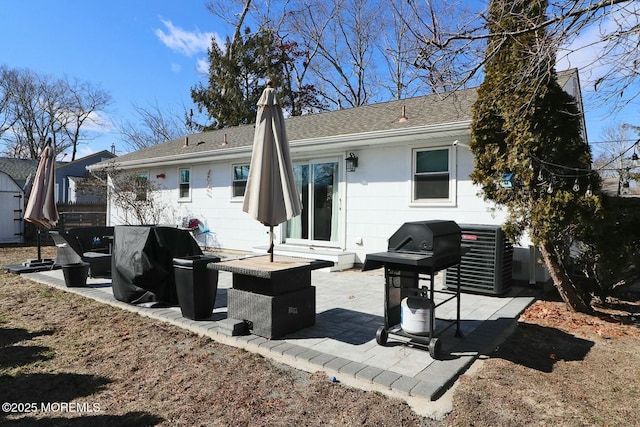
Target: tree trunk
(571,295)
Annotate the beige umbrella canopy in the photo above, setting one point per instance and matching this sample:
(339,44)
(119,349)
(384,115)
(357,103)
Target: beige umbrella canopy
(41,208)
(271,195)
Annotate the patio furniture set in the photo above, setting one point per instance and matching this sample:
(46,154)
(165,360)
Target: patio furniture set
(88,248)
(160,266)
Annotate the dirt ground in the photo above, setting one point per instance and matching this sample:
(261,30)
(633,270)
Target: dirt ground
(559,368)
(66,360)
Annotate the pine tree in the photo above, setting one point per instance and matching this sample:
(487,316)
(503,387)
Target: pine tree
(237,75)
(525,124)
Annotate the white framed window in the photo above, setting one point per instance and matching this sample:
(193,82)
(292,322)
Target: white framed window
(142,186)
(239,181)
(184,184)
(432,172)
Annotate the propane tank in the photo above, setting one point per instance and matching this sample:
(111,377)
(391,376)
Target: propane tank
(417,315)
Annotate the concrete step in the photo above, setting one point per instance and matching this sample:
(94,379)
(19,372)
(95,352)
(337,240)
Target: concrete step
(342,260)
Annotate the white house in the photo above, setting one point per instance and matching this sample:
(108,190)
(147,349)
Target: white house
(413,164)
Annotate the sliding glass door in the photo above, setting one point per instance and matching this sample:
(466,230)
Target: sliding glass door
(318,186)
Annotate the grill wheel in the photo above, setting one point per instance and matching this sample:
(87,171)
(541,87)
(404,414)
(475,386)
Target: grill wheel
(434,347)
(381,336)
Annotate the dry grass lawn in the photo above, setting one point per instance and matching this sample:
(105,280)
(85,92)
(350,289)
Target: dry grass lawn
(66,360)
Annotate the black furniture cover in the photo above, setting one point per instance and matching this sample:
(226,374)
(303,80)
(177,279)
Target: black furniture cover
(142,263)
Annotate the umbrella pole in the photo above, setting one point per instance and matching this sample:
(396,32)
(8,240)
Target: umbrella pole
(38,243)
(271,241)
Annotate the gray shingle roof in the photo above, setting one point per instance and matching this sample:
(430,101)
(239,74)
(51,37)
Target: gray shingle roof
(18,169)
(428,110)
(420,111)
(100,155)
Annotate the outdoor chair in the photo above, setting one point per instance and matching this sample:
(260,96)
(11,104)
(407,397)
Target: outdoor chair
(94,238)
(197,228)
(71,251)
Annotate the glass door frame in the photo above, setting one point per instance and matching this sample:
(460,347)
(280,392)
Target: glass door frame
(340,196)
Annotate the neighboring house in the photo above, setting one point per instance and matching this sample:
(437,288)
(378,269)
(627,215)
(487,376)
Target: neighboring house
(14,175)
(68,175)
(413,164)
(79,192)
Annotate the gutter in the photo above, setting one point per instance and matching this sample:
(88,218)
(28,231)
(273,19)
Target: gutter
(329,143)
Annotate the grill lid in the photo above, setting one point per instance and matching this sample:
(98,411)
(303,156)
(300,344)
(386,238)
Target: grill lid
(420,245)
(419,236)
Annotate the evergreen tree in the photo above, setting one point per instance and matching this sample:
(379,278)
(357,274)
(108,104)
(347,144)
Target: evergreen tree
(237,75)
(525,124)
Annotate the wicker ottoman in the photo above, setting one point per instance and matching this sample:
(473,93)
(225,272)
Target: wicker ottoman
(273,316)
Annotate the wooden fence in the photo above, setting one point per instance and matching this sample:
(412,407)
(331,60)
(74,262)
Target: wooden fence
(82,207)
(81,219)
(70,216)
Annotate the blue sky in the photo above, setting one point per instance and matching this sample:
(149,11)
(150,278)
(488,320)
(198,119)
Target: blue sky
(141,52)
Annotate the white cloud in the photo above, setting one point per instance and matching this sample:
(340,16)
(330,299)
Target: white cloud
(583,53)
(183,41)
(587,51)
(176,68)
(99,121)
(84,151)
(202,66)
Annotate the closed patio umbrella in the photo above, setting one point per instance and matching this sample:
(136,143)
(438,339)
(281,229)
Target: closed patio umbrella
(41,208)
(271,194)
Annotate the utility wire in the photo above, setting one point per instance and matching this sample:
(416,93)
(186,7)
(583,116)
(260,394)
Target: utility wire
(586,172)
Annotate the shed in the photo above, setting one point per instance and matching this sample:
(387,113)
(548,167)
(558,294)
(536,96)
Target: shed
(11,210)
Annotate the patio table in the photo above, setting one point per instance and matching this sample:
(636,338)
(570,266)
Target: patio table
(274,298)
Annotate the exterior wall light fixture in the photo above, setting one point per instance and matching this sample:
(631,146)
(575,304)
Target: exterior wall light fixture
(351,162)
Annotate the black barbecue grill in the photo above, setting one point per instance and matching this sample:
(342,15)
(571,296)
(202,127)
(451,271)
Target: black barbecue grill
(416,252)
(421,245)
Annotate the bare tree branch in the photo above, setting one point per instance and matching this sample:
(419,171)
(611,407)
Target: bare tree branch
(343,33)
(453,47)
(153,126)
(35,107)
(84,100)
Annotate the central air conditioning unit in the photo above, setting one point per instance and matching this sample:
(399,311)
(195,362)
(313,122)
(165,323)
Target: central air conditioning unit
(487,266)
